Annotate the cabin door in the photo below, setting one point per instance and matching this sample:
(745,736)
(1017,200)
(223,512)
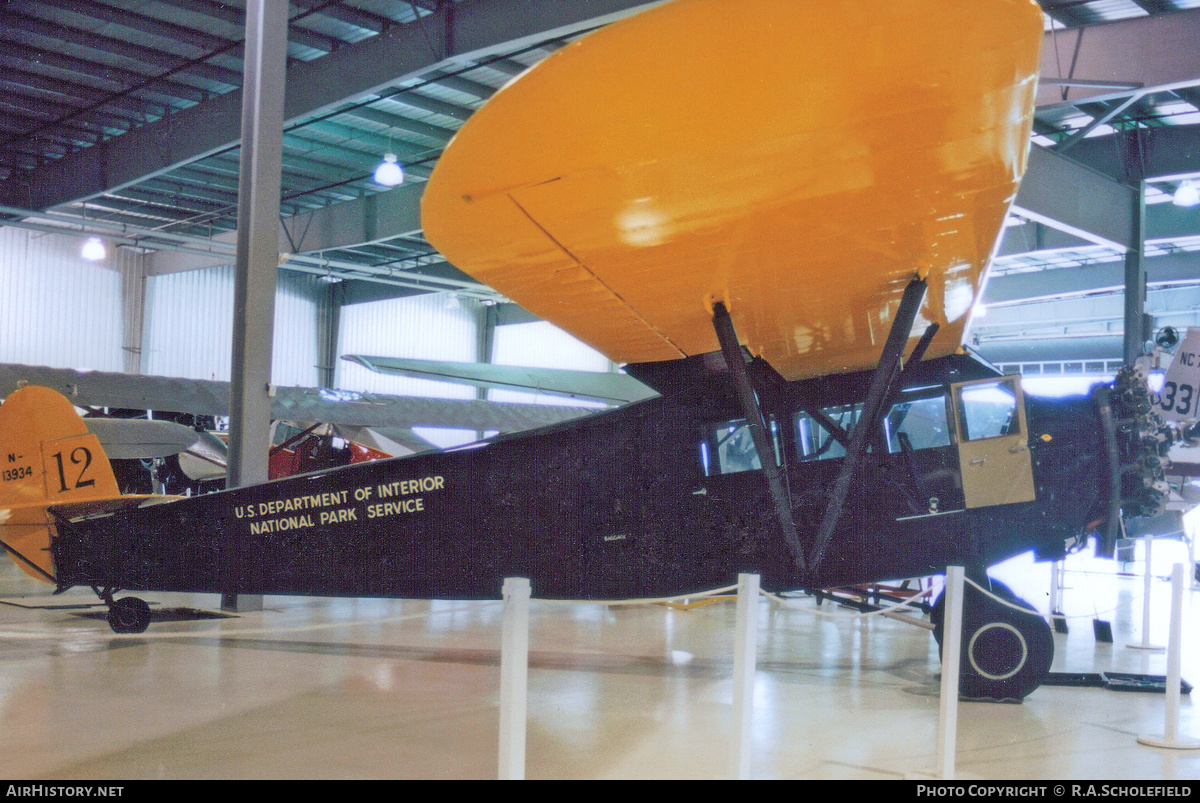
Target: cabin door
(993,442)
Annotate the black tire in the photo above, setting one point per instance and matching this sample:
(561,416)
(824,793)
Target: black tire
(128,615)
(1006,653)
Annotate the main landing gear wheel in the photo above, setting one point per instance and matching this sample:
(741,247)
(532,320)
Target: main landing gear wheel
(128,615)
(1006,653)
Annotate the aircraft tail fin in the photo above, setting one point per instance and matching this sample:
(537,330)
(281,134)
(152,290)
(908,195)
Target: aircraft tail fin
(47,457)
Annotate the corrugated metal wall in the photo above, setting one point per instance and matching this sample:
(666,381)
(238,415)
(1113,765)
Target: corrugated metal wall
(427,327)
(297,333)
(541,344)
(57,309)
(188,329)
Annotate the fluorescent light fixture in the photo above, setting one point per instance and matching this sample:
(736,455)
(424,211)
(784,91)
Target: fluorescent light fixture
(93,249)
(1188,194)
(389,173)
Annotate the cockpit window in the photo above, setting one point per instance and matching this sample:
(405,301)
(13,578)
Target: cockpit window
(988,410)
(284,432)
(921,421)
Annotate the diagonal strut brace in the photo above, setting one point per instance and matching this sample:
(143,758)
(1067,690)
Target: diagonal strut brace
(16,554)
(758,432)
(882,379)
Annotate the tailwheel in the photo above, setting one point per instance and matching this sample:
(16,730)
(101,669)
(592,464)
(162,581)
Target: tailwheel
(1006,653)
(128,615)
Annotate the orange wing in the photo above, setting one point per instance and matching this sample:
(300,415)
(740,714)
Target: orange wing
(798,160)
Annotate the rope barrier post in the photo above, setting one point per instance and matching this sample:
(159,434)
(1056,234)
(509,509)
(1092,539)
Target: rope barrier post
(514,670)
(951,649)
(1146,645)
(744,662)
(1170,737)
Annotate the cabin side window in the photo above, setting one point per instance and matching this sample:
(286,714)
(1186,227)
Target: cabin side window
(815,442)
(728,448)
(922,422)
(988,410)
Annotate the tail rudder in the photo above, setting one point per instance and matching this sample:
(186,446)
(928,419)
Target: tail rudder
(47,456)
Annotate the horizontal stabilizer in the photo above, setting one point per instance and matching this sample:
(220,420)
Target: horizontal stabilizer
(102,507)
(139,439)
(609,387)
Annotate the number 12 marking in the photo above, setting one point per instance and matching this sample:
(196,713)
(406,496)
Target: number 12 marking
(80,482)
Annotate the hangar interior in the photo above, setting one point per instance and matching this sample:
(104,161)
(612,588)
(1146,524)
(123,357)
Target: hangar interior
(121,124)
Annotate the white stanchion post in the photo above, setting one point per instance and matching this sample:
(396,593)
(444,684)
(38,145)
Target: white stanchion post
(514,671)
(1055,589)
(1171,737)
(951,649)
(745,654)
(1146,645)
(1193,579)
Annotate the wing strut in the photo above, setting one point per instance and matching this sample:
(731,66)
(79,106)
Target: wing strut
(758,432)
(882,380)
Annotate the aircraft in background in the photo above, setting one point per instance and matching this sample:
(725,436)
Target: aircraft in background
(785,245)
(191,456)
(1178,401)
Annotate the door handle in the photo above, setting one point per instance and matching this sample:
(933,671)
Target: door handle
(978,461)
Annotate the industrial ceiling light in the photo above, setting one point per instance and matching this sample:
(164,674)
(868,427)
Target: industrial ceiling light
(1188,194)
(389,173)
(93,249)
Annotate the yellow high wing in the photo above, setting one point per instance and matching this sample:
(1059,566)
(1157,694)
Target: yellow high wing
(798,160)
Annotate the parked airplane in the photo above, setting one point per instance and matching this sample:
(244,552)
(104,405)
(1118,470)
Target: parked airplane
(785,244)
(202,397)
(353,426)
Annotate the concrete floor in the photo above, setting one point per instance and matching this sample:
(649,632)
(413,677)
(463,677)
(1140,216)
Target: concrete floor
(313,688)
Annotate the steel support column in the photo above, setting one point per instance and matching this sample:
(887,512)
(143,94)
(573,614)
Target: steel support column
(329,324)
(1135,281)
(257,261)
(133,314)
(485,347)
